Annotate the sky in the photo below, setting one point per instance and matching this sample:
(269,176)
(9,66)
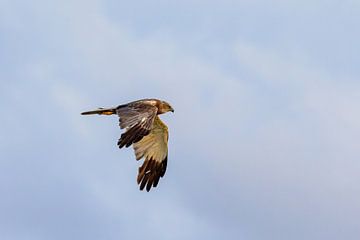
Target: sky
(264,141)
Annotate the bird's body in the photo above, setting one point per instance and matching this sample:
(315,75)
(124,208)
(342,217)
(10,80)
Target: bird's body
(147,133)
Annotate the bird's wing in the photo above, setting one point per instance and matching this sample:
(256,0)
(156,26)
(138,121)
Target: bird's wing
(154,148)
(137,118)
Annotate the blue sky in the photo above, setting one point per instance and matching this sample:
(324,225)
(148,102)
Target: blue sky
(263,142)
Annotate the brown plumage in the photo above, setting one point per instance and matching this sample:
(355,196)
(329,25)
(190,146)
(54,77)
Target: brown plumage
(147,133)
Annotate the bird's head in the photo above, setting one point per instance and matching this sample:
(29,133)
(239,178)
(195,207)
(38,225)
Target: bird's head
(165,107)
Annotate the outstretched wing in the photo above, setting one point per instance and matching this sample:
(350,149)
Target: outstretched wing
(154,148)
(137,118)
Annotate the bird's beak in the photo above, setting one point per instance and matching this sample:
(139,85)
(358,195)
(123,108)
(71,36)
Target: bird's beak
(172,110)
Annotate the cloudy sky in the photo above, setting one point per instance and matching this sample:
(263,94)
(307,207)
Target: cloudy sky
(264,142)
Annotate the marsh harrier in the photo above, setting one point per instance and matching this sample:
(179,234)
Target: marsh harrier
(147,133)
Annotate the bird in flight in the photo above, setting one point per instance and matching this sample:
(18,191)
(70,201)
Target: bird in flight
(147,133)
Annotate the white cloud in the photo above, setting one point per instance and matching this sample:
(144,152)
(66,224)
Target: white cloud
(268,152)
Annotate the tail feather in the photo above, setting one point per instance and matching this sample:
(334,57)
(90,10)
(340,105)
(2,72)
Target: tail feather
(101,111)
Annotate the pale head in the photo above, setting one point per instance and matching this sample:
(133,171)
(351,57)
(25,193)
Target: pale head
(165,107)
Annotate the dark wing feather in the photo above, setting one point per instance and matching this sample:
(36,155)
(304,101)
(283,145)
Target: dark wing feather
(137,118)
(154,149)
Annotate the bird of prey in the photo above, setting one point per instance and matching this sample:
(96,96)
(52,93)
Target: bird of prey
(147,133)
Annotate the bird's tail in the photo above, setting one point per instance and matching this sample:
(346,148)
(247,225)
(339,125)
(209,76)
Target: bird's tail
(101,111)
